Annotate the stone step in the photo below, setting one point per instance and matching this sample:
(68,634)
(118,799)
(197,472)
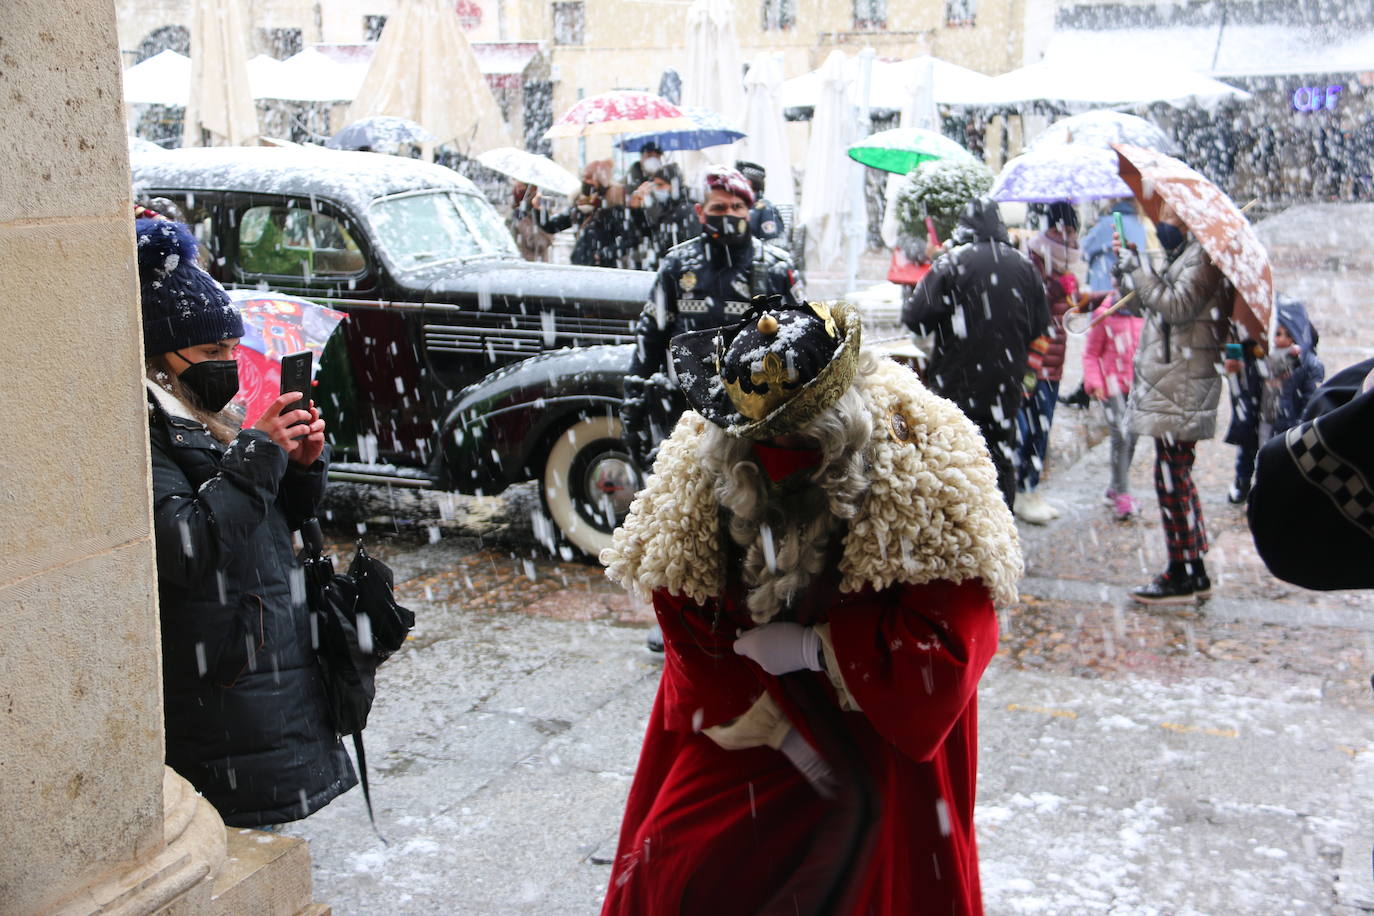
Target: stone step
(265,874)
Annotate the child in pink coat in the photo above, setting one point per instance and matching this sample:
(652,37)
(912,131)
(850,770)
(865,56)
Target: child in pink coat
(1108,363)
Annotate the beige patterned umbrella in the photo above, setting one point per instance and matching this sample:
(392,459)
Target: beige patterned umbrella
(1220,227)
(221,98)
(424,70)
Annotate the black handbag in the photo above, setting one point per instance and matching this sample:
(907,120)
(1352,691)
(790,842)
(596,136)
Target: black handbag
(358,626)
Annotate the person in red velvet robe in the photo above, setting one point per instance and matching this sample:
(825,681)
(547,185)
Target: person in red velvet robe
(823,541)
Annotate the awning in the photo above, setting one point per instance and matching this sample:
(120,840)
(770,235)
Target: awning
(1231,50)
(504,63)
(1124,79)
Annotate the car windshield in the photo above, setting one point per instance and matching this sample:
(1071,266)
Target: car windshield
(416,230)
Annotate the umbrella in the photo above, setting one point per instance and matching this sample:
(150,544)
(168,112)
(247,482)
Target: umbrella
(424,70)
(765,129)
(618,112)
(221,99)
(894,83)
(1102,128)
(903,148)
(274,325)
(160,80)
(709,129)
(1068,172)
(379,131)
(530,168)
(311,76)
(1222,230)
(827,198)
(713,77)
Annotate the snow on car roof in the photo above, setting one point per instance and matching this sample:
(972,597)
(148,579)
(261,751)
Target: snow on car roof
(348,177)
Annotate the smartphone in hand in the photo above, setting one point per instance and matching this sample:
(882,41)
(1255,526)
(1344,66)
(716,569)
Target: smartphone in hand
(295,376)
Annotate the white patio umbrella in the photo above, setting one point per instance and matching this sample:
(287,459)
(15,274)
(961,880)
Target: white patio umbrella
(713,75)
(310,76)
(221,100)
(827,196)
(264,75)
(891,84)
(424,70)
(919,112)
(163,79)
(765,129)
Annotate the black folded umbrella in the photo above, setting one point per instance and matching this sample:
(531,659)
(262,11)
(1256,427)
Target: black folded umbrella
(358,626)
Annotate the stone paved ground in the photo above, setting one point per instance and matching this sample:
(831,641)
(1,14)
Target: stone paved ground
(1212,759)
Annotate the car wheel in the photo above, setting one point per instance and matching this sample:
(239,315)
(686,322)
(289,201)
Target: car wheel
(588,484)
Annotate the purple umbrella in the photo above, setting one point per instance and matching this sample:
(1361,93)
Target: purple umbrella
(1066,172)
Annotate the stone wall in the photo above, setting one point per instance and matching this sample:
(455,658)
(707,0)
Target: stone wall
(81,769)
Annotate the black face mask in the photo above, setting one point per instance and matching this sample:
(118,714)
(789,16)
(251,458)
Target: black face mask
(211,382)
(731,231)
(1170,236)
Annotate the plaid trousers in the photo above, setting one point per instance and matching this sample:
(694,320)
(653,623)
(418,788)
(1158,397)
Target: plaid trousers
(1179,506)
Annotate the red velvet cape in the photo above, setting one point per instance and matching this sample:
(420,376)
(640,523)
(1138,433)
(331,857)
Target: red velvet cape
(714,832)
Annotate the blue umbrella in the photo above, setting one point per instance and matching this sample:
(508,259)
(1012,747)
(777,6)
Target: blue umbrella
(710,130)
(379,131)
(1067,172)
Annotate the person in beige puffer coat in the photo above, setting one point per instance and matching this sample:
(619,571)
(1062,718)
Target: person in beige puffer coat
(1174,395)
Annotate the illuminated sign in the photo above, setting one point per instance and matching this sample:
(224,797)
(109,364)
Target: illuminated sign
(1315,98)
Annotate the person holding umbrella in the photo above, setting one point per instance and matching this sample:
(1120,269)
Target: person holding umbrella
(823,542)
(1176,388)
(246,716)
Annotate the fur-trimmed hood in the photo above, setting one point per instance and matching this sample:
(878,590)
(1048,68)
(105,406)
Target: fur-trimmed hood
(933,509)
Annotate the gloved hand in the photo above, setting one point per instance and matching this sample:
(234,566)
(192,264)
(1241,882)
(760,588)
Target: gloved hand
(782,647)
(809,763)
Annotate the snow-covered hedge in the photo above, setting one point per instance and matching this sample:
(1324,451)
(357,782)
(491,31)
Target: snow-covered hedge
(939,189)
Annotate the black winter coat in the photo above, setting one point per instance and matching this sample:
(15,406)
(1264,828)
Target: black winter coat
(247,722)
(603,235)
(984,302)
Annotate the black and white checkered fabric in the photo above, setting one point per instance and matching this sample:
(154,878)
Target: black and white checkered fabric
(1340,480)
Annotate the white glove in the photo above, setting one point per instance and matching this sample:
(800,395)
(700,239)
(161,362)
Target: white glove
(782,647)
(809,763)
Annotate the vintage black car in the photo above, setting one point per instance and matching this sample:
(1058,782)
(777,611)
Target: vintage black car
(438,301)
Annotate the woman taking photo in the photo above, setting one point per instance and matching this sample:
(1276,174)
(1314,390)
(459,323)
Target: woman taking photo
(246,718)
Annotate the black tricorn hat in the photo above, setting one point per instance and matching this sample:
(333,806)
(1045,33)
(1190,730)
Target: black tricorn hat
(775,371)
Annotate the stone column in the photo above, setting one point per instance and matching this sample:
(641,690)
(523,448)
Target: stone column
(91,819)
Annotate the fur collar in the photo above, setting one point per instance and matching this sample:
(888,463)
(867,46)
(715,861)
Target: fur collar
(170,403)
(933,510)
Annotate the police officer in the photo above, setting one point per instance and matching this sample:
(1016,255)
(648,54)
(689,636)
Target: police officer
(765,221)
(704,282)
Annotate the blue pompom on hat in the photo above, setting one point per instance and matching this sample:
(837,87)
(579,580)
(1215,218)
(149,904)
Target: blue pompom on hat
(183,306)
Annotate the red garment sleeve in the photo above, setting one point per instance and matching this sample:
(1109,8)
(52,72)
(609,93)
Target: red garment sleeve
(912,655)
(704,682)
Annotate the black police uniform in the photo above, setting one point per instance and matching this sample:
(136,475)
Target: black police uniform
(765,222)
(700,285)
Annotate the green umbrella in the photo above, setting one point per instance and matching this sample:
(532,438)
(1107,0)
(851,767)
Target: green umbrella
(902,149)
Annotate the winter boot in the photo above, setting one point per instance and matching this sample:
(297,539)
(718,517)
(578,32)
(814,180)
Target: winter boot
(1125,506)
(1173,586)
(1202,585)
(1239,492)
(654,641)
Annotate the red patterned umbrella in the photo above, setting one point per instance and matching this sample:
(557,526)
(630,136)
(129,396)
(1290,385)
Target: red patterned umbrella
(619,112)
(1222,230)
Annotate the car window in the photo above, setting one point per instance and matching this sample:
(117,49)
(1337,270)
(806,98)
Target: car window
(296,242)
(416,230)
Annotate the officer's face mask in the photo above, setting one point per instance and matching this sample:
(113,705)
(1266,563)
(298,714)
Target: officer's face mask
(651,164)
(731,231)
